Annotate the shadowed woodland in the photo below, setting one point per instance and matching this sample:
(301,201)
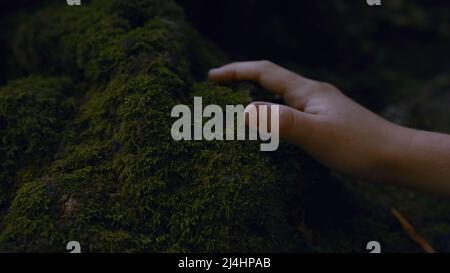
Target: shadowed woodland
(85,146)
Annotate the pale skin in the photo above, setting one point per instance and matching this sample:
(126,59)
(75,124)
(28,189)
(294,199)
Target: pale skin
(344,135)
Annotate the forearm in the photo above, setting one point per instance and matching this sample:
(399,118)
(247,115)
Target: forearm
(418,159)
(345,136)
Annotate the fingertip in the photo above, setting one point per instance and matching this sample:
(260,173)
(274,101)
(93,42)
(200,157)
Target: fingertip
(251,115)
(255,105)
(211,73)
(251,112)
(215,74)
(213,70)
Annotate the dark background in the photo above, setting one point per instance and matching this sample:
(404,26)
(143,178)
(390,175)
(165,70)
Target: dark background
(378,55)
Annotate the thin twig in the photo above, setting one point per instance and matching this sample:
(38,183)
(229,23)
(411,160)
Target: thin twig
(410,230)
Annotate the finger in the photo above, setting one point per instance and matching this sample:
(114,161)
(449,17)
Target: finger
(270,76)
(293,125)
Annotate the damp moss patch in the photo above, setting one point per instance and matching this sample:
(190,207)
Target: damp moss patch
(118,181)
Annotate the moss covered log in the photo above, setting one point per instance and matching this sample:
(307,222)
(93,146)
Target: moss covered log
(113,177)
(87,155)
(33,114)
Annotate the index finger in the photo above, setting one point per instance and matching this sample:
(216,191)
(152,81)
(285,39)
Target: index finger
(269,75)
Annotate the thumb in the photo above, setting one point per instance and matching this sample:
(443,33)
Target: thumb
(293,125)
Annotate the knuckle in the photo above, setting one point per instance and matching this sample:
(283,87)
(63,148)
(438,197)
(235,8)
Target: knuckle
(326,87)
(294,79)
(265,64)
(318,87)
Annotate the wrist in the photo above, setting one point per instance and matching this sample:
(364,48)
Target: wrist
(387,158)
(393,153)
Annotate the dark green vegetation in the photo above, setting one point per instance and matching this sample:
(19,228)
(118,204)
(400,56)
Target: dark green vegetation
(86,151)
(91,158)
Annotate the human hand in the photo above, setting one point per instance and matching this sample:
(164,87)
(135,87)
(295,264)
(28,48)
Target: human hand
(318,117)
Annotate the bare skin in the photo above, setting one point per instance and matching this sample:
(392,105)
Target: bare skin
(344,135)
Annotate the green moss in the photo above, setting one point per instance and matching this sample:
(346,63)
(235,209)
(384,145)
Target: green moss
(37,233)
(122,183)
(59,41)
(33,113)
(138,12)
(96,162)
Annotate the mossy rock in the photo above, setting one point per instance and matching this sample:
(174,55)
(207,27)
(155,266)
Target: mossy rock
(89,154)
(33,114)
(117,181)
